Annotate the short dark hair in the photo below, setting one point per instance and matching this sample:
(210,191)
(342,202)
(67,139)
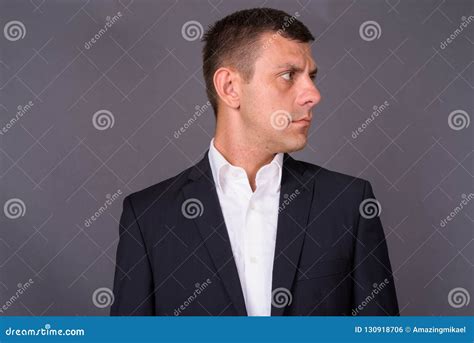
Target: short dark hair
(234,39)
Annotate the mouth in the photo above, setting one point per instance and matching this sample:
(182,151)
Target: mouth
(302,121)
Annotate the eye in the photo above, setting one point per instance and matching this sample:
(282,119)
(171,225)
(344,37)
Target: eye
(288,76)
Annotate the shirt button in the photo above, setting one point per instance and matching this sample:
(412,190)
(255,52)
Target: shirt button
(253,207)
(253,259)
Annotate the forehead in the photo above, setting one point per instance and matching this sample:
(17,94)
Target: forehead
(277,50)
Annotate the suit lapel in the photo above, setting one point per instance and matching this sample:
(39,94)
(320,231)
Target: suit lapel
(213,230)
(296,195)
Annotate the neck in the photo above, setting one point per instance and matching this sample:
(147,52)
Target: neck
(241,152)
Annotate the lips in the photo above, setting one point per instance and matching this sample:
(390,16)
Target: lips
(303,117)
(303,120)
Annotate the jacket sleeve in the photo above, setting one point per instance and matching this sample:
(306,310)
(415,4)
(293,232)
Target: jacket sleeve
(133,282)
(374,291)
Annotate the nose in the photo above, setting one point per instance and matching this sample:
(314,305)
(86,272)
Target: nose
(309,96)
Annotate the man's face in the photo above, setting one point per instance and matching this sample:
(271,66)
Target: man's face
(276,105)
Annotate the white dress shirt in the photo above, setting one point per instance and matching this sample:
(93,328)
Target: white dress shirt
(251,221)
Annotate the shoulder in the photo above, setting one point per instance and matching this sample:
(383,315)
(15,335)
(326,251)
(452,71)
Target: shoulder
(329,175)
(332,182)
(161,192)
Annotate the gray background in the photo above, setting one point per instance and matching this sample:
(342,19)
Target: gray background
(149,77)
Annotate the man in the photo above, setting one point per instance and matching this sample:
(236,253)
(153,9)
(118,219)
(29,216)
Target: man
(249,230)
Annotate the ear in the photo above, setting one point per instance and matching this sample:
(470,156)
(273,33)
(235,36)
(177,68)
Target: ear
(227,84)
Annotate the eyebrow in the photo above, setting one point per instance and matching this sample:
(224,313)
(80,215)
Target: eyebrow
(295,68)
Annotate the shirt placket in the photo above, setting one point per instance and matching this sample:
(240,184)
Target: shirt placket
(254,260)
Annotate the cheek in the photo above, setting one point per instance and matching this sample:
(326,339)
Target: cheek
(255,102)
(260,100)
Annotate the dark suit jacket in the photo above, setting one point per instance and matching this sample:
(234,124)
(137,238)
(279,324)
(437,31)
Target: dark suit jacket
(330,259)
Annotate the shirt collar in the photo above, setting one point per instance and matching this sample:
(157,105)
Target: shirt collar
(221,168)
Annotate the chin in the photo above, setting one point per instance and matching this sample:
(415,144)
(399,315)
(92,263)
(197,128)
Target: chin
(292,144)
